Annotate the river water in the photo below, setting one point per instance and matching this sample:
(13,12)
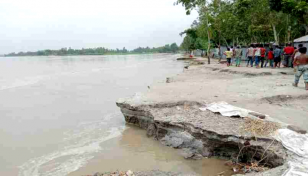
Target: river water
(58,116)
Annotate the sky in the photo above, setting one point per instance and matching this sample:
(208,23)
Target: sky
(31,25)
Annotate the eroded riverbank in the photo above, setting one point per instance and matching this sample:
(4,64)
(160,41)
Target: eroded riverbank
(170,112)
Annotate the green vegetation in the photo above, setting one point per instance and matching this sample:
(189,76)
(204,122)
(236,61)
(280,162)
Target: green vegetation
(173,48)
(229,22)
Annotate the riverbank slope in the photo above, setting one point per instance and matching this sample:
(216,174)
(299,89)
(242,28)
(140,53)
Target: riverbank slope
(170,112)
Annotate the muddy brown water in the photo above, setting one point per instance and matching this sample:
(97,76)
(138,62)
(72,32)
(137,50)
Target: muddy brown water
(58,116)
(134,151)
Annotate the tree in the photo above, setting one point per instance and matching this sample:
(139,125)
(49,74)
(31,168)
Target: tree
(231,22)
(297,9)
(99,51)
(174,47)
(208,29)
(124,50)
(190,4)
(188,44)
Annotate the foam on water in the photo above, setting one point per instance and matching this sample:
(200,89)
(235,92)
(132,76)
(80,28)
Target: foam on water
(81,145)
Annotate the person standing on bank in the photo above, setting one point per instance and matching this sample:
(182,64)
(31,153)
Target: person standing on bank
(263,52)
(267,61)
(296,51)
(301,62)
(270,57)
(288,51)
(233,54)
(229,55)
(277,56)
(257,55)
(238,56)
(249,55)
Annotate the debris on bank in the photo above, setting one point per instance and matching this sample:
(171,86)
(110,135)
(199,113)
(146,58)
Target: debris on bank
(260,127)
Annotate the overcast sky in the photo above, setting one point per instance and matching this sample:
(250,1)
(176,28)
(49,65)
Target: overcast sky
(30,25)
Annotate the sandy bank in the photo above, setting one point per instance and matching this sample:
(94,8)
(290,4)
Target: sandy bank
(268,91)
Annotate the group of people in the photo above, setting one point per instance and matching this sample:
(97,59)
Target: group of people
(259,56)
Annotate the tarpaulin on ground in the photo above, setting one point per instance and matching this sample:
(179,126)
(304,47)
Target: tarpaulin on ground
(298,144)
(226,109)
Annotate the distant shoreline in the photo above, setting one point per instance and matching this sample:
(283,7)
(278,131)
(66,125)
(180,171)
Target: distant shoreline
(86,54)
(172,48)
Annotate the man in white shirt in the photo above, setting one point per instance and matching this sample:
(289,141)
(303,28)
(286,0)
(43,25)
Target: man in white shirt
(249,55)
(257,55)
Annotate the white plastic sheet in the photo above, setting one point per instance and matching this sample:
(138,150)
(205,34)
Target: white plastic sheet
(226,109)
(293,141)
(297,169)
(298,144)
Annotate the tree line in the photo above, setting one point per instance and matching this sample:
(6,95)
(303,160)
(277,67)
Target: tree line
(231,22)
(173,48)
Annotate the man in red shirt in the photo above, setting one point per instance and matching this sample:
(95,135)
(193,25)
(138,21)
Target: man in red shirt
(270,56)
(288,51)
(263,52)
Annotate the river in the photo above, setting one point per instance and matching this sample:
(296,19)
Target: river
(58,116)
